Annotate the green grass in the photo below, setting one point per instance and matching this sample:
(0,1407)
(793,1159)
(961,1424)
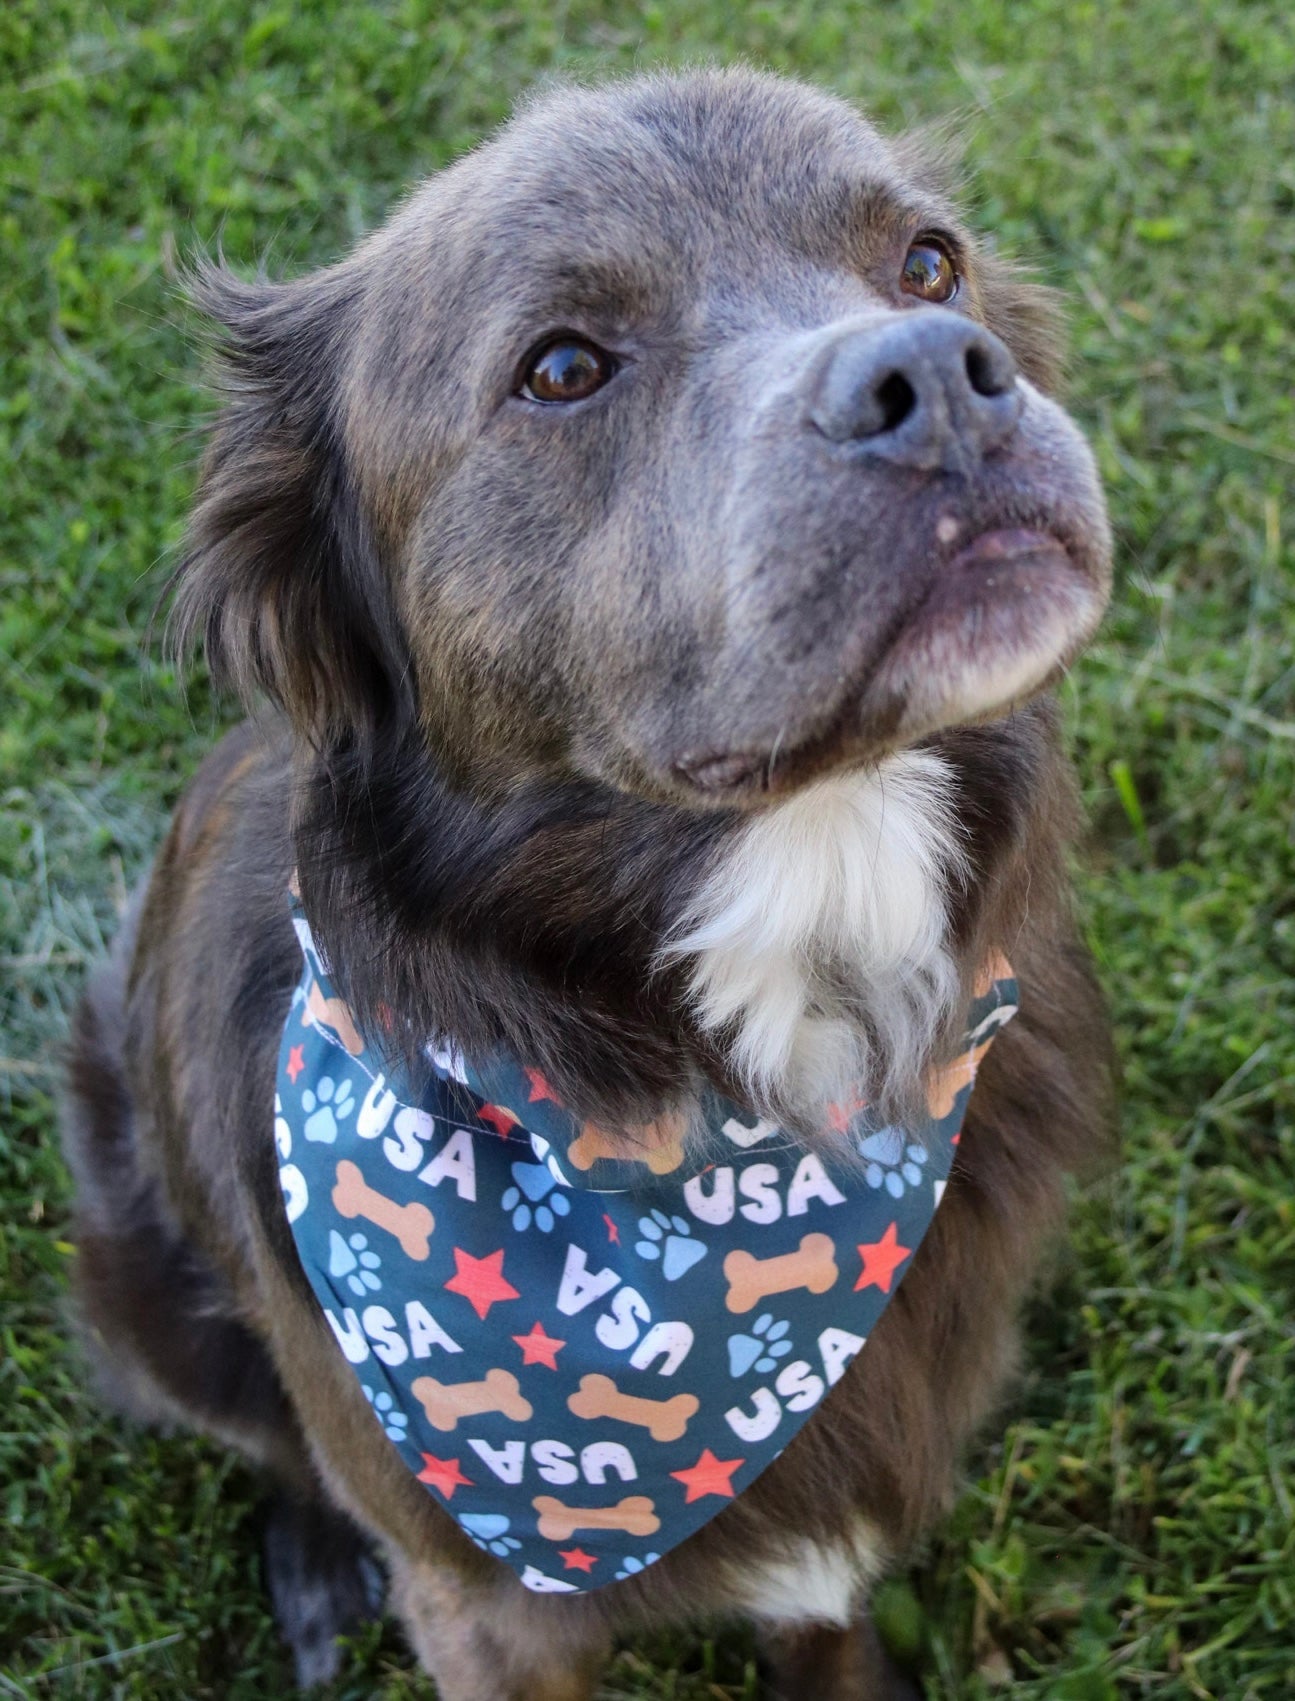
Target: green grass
(1129,1530)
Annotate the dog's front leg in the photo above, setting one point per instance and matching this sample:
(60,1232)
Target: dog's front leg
(504,1646)
(822,1663)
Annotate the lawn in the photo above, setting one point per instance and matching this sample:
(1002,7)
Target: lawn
(1128,1529)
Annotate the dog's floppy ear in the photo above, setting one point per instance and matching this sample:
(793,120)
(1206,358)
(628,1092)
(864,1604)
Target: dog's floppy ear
(280,578)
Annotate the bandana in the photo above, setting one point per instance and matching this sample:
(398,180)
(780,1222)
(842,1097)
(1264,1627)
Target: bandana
(585,1356)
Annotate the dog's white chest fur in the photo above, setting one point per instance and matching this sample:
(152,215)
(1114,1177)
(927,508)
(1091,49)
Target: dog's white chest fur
(813,1582)
(820,933)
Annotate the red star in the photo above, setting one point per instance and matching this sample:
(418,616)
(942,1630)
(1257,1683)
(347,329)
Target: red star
(539,1348)
(480,1280)
(840,1116)
(574,1560)
(498,1117)
(443,1474)
(613,1233)
(296,1063)
(540,1088)
(708,1476)
(881,1258)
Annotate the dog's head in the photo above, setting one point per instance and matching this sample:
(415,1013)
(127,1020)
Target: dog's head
(680,439)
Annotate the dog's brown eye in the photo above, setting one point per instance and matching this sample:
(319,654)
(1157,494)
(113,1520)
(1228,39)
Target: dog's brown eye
(567,371)
(929,272)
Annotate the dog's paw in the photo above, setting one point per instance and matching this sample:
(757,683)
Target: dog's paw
(323,1583)
(535,1197)
(672,1241)
(326,1105)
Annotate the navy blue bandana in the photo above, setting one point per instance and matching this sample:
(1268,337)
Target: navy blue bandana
(586,1356)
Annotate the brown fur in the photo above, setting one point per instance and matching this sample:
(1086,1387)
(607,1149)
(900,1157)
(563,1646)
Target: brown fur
(494,637)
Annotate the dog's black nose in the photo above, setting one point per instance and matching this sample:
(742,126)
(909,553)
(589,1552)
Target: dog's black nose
(926,389)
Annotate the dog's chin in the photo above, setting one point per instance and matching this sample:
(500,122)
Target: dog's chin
(1002,620)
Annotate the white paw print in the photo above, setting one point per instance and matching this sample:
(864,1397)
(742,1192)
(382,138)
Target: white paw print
(672,1241)
(352,1259)
(326,1105)
(393,1420)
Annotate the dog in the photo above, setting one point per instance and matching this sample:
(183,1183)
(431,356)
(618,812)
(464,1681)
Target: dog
(650,552)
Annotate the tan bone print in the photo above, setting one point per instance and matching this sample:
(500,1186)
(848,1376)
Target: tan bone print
(446,1402)
(657,1144)
(811,1266)
(333,1013)
(945,1083)
(995,968)
(411,1224)
(664,1420)
(635,1515)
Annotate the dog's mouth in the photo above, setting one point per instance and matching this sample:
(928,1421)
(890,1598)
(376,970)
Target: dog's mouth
(1003,610)
(1006,613)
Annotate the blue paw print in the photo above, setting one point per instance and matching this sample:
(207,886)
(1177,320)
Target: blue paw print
(630,1567)
(489,1530)
(393,1420)
(353,1260)
(892,1164)
(762,1348)
(326,1105)
(529,1199)
(671,1240)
